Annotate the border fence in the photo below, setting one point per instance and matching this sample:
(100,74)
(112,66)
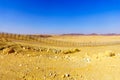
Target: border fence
(55,42)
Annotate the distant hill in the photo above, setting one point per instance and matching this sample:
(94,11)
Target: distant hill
(92,34)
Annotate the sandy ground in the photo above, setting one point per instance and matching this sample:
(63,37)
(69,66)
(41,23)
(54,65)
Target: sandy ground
(90,63)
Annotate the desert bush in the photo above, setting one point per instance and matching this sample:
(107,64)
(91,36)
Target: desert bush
(76,50)
(8,50)
(1,48)
(71,51)
(67,51)
(112,54)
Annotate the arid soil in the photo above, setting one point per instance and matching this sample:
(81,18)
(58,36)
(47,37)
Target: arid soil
(32,60)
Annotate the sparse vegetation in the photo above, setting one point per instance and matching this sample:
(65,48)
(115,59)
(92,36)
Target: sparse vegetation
(25,57)
(45,40)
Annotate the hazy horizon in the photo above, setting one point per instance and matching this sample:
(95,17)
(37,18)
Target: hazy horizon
(60,16)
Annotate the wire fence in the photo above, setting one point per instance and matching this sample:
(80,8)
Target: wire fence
(56,42)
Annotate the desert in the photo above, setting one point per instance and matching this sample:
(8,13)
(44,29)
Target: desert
(58,57)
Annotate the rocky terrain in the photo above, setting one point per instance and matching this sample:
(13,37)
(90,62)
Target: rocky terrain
(28,59)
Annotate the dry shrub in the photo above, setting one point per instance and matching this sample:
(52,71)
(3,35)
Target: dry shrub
(71,51)
(67,51)
(8,51)
(76,50)
(110,53)
(1,48)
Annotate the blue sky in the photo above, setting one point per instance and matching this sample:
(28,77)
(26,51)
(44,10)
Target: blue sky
(60,16)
